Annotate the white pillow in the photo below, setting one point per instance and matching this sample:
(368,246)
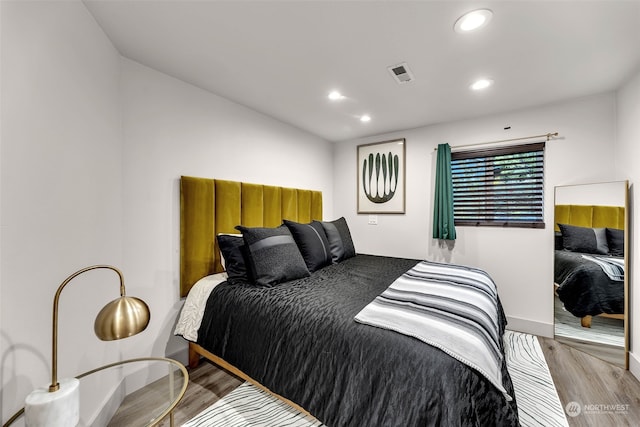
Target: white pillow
(193,308)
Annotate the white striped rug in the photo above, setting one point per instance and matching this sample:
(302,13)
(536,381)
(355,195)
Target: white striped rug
(248,406)
(538,402)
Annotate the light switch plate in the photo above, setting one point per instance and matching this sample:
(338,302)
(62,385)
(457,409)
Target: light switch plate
(373,219)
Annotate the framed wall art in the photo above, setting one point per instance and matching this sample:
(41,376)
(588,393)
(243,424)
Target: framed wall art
(381,177)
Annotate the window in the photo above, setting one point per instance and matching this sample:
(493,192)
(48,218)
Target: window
(501,187)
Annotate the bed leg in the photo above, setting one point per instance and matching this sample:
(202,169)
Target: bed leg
(194,357)
(586,321)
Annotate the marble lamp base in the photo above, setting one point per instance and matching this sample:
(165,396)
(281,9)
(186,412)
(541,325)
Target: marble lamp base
(59,408)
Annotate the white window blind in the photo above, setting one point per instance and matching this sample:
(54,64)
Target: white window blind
(499,187)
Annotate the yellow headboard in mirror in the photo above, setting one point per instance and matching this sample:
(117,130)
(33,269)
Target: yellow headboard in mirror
(590,216)
(212,206)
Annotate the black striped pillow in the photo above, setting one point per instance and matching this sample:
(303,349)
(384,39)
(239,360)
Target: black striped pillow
(274,255)
(312,242)
(339,238)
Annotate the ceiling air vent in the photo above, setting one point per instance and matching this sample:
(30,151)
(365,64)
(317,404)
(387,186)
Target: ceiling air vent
(401,73)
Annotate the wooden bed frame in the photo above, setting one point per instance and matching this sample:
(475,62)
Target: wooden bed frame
(586,320)
(591,216)
(196,352)
(212,206)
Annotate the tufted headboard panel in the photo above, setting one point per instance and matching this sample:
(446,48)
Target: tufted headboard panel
(590,216)
(212,206)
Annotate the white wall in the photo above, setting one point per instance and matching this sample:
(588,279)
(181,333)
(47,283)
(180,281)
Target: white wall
(519,260)
(61,191)
(173,129)
(598,194)
(627,155)
(92,149)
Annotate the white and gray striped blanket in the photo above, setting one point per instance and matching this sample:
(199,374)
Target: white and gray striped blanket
(612,267)
(451,307)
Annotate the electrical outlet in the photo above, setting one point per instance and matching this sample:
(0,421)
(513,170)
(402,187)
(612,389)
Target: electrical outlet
(373,219)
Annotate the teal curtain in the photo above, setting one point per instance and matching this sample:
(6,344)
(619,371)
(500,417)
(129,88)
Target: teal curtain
(443,224)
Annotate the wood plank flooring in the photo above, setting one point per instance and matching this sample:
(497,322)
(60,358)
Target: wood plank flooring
(578,377)
(589,381)
(207,384)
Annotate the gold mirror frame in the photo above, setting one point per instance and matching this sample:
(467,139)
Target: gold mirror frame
(584,195)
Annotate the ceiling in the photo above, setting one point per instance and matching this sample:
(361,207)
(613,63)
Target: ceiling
(282,58)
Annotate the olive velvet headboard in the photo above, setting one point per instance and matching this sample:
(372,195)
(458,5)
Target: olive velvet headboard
(212,206)
(590,216)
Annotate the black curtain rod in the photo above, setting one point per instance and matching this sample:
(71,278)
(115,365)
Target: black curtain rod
(547,135)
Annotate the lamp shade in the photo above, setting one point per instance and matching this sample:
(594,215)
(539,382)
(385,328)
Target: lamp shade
(122,318)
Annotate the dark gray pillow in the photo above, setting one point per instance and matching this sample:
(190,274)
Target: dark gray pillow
(584,239)
(615,240)
(558,241)
(274,255)
(339,238)
(234,253)
(312,242)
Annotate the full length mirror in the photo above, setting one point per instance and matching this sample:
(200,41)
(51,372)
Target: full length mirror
(590,269)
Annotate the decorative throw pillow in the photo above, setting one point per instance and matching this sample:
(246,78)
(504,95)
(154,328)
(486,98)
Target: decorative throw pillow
(222,255)
(615,240)
(339,238)
(274,255)
(558,241)
(584,239)
(312,242)
(233,251)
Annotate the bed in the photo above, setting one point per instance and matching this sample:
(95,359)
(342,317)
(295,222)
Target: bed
(589,261)
(299,338)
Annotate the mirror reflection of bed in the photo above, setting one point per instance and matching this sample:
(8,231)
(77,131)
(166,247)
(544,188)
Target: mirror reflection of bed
(590,284)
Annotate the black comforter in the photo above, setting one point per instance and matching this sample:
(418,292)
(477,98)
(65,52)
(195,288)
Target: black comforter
(300,340)
(584,288)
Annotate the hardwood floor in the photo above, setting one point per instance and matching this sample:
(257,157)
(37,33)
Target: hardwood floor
(607,395)
(207,384)
(578,377)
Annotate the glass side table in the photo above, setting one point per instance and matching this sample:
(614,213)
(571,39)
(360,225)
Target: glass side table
(147,389)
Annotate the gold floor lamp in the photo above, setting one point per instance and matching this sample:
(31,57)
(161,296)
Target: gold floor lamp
(59,405)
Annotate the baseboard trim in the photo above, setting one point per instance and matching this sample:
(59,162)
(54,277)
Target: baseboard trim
(634,365)
(135,378)
(112,402)
(181,355)
(528,326)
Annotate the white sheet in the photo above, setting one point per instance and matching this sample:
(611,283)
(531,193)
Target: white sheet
(193,308)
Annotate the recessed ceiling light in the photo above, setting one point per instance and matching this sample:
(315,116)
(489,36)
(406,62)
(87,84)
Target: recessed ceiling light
(335,96)
(481,84)
(473,20)
(365,118)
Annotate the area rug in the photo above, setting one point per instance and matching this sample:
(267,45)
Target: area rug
(249,406)
(538,402)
